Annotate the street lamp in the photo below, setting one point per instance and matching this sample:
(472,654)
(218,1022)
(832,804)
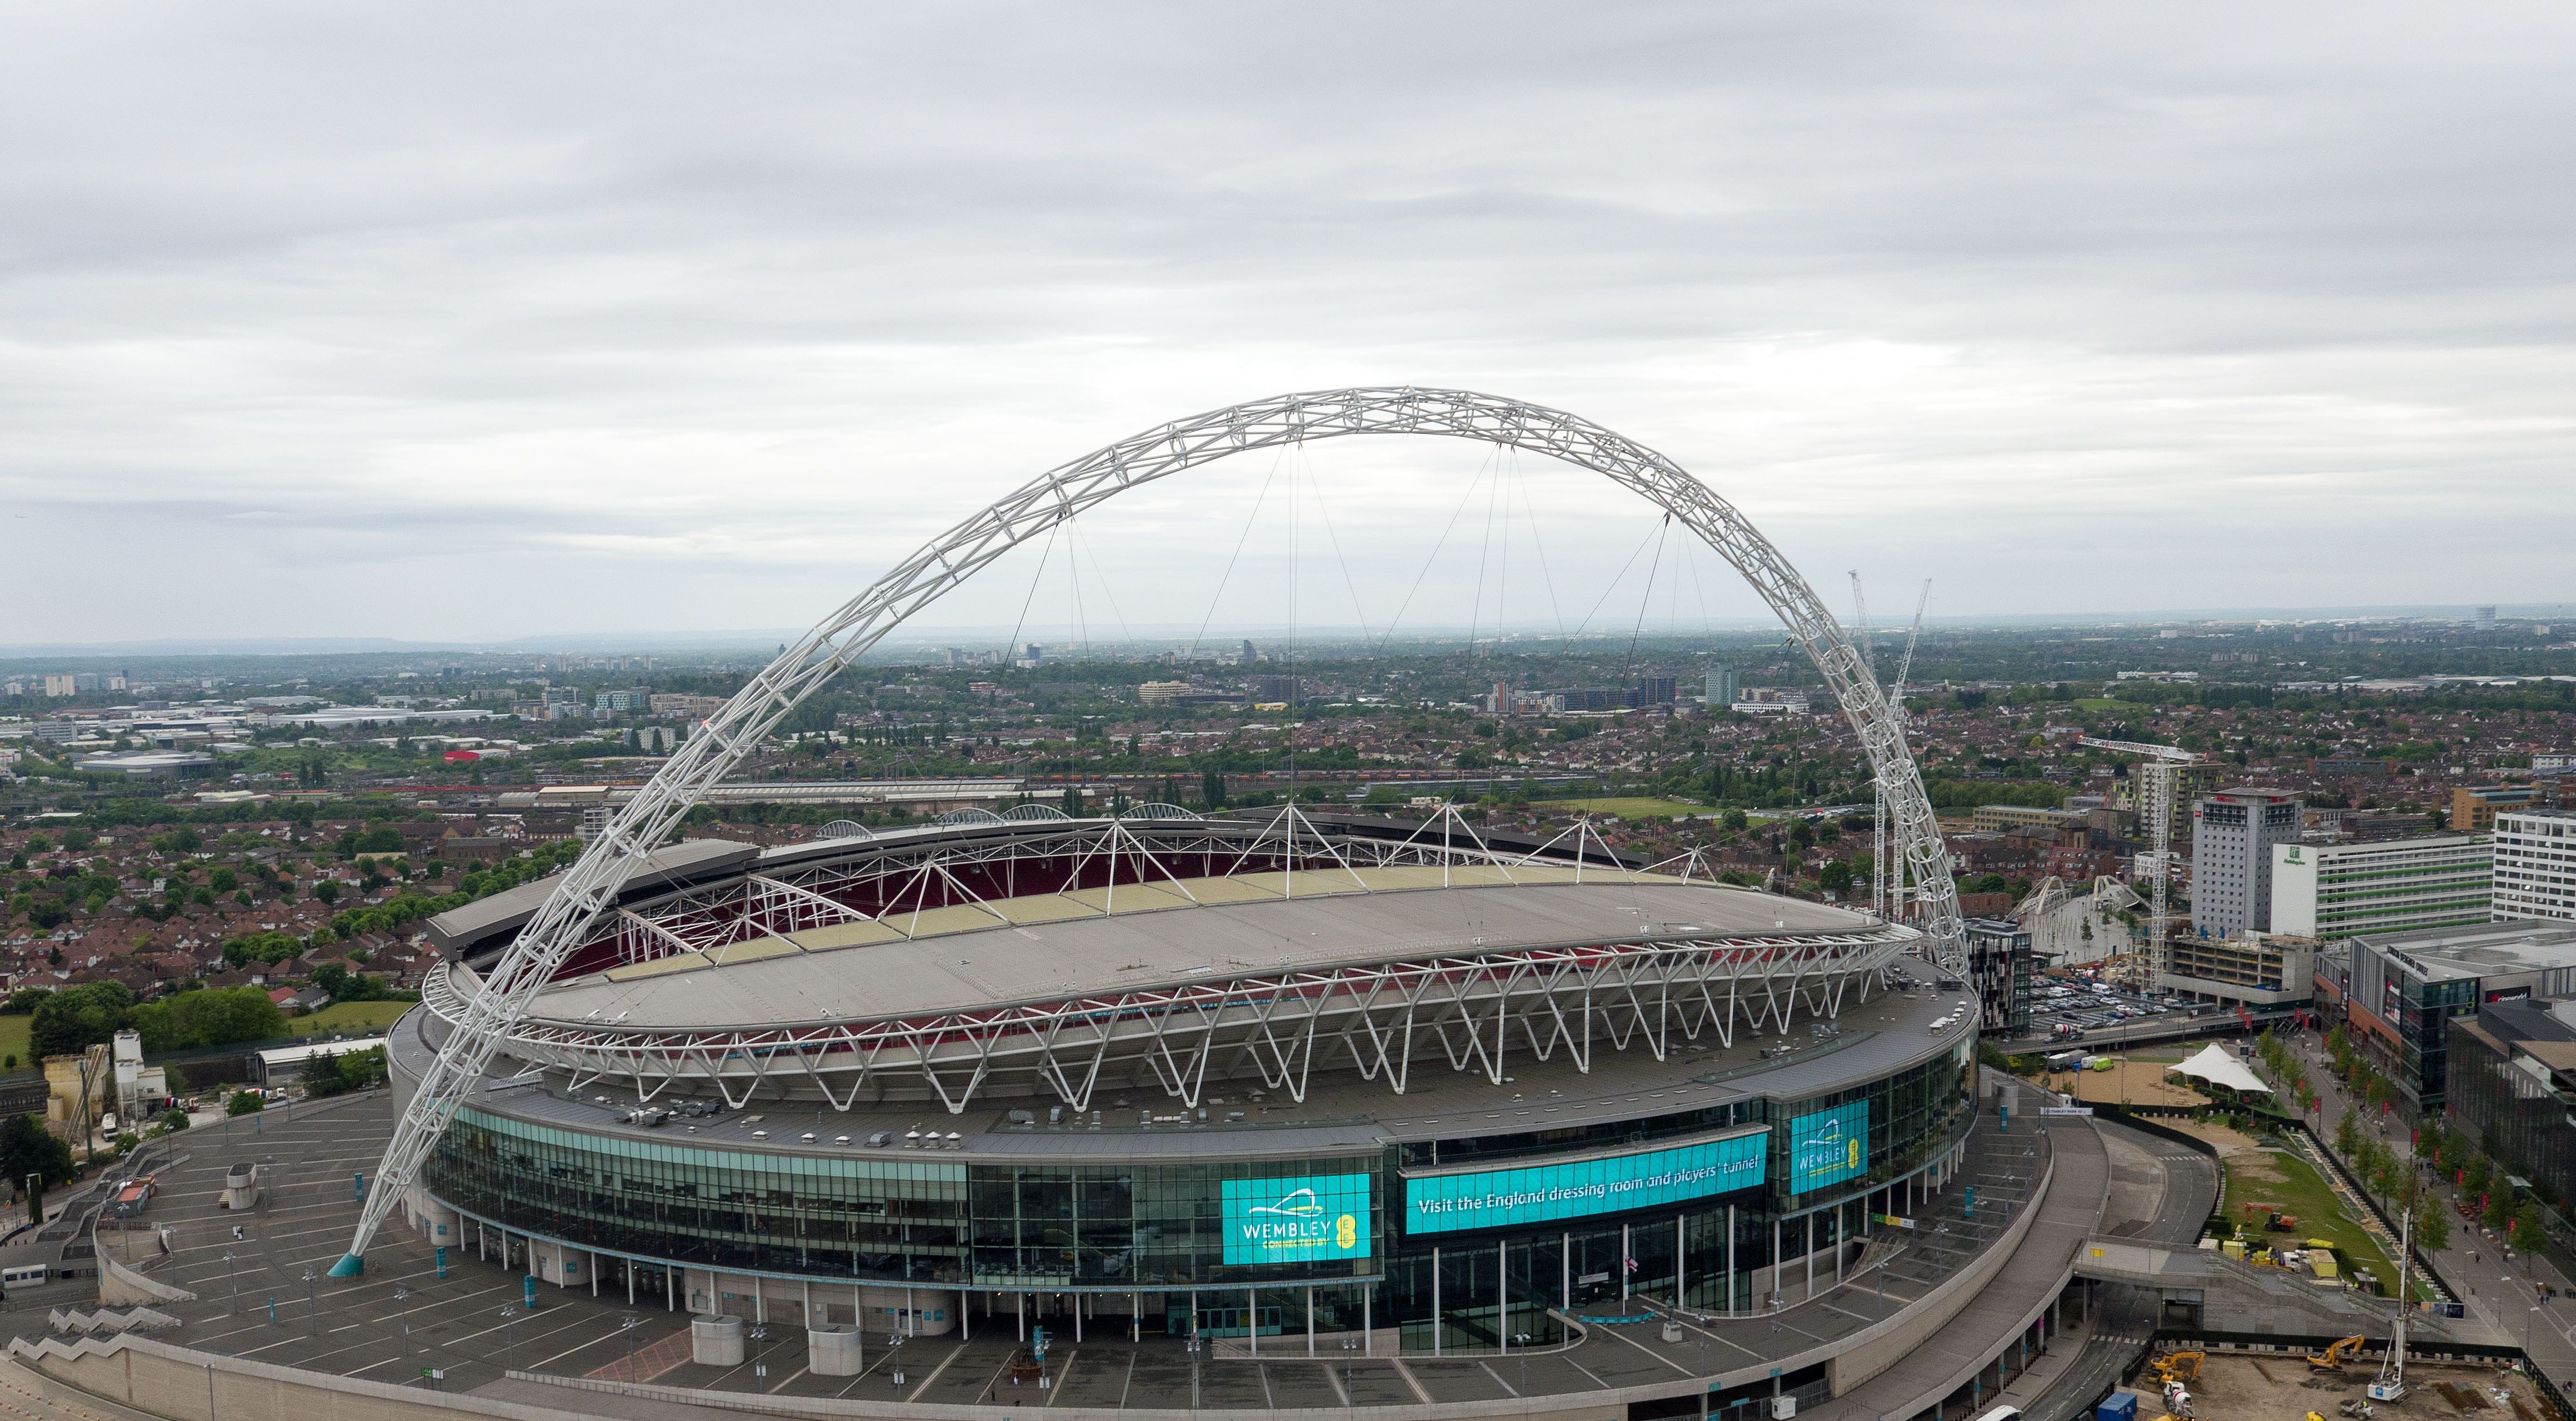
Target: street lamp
(313,1297)
(627,1325)
(233,1281)
(1349,1349)
(1521,1340)
(759,1364)
(510,1343)
(894,1355)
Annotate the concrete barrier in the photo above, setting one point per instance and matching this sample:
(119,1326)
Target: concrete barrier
(122,1287)
(716,1342)
(149,1375)
(833,1351)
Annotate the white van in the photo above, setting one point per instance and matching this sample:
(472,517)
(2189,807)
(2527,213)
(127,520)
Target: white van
(2002,1413)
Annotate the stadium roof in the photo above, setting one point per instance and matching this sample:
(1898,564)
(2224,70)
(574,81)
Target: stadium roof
(1059,946)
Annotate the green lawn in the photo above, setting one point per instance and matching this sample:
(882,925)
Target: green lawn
(1624,808)
(13,1038)
(346,1017)
(2303,1194)
(2100,703)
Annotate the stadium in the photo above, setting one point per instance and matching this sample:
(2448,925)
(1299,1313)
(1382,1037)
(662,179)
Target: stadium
(1162,1113)
(1252,1076)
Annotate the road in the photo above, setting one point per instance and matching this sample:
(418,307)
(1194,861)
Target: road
(2505,1297)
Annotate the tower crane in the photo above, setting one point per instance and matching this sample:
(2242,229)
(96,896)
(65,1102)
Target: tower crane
(2155,794)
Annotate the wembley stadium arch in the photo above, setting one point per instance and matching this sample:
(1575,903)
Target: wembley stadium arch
(498,1010)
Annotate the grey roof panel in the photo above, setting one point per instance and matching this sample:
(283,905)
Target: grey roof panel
(491,922)
(1056,961)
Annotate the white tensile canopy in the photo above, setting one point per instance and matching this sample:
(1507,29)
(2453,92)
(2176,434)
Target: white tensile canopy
(2215,1066)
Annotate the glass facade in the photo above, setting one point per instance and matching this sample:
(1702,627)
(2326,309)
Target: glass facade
(2521,1116)
(1119,1226)
(1154,1228)
(2421,1011)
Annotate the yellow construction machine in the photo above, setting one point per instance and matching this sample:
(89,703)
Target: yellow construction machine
(2177,1367)
(2333,1358)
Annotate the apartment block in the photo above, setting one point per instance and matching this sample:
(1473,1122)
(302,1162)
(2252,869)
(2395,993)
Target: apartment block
(2232,835)
(2397,885)
(2535,864)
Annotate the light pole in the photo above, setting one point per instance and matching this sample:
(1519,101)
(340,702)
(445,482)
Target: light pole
(1521,1340)
(1350,1398)
(233,1281)
(894,1357)
(759,1355)
(510,1344)
(313,1297)
(627,1325)
(1195,1343)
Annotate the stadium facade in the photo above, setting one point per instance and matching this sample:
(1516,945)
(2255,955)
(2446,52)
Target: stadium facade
(1221,1077)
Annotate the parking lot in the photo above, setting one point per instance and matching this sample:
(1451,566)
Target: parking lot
(2071,1008)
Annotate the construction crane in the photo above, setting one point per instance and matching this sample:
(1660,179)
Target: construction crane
(2156,772)
(2391,1385)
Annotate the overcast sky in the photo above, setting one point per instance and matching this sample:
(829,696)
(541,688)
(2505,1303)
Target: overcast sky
(465,321)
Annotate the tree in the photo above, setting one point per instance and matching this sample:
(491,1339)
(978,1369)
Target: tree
(173,1121)
(2432,1223)
(2476,1175)
(207,1017)
(2347,1136)
(81,1016)
(2499,1211)
(2530,1227)
(245,1102)
(27,1147)
(322,1074)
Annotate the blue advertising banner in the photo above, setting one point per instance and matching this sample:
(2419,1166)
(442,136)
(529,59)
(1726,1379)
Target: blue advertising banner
(1317,1216)
(1828,1147)
(1503,1198)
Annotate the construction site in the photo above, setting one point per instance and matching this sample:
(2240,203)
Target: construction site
(2259,1386)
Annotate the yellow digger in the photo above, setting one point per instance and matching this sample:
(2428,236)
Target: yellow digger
(2177,1367)
(2333,1358)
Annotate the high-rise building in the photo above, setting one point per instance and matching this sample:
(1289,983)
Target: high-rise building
(2003,970)
(2397,885)
(1721,686)
(2232,835)
(2535,864)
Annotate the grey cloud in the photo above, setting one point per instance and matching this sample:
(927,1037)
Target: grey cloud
(739,304)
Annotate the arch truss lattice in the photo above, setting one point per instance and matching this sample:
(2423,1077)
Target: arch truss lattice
(591,885)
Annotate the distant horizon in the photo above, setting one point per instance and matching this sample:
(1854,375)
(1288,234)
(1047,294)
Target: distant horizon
(1214,639)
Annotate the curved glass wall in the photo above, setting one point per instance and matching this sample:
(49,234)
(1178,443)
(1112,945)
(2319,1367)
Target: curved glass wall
(1258,1232)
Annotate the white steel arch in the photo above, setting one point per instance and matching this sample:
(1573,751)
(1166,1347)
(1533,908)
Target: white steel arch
(1050,499)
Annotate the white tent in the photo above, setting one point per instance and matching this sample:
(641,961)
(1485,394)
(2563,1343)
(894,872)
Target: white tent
(2215,1066)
